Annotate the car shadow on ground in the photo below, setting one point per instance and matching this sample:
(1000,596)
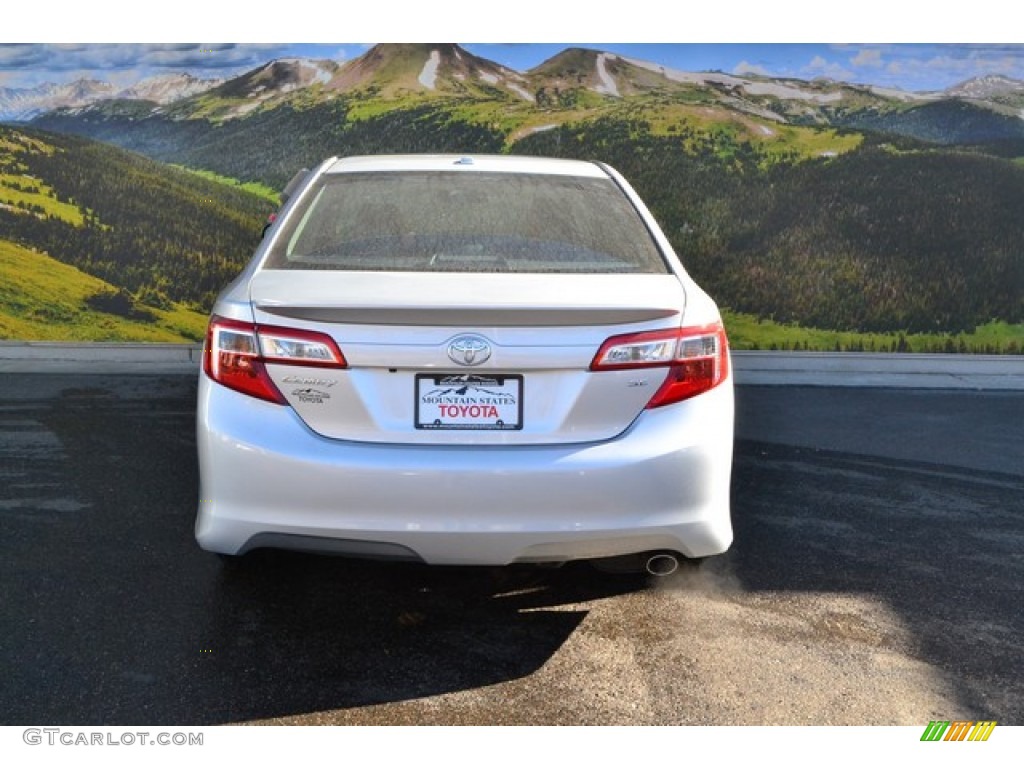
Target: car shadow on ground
(117,617)
(292,633)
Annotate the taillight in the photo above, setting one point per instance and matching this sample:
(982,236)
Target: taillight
(236,353)
(697,359)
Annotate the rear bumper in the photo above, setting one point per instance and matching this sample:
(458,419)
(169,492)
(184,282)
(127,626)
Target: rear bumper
(267,480)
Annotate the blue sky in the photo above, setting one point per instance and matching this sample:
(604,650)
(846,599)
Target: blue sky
(917,66)
(910,47)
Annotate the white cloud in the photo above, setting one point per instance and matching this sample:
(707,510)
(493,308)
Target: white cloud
(59,57)
(918,66)
(746,68)
(942,71)
(31,64)
(21,56)
(868,57)
(822,67)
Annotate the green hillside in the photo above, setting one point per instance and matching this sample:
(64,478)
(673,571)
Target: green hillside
(875,239)
(942,122)
(42,299)
(251,148)
(161,234)
(747,332)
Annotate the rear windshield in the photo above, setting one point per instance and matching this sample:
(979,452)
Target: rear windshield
(443,221)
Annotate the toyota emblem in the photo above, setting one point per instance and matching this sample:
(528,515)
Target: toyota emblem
(469,350)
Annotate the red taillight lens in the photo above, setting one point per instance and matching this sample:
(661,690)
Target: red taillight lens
(697,359)
(236,353)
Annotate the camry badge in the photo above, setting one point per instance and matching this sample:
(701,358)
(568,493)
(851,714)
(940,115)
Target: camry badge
(469,350)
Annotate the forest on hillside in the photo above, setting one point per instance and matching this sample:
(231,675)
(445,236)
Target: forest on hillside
(897,235)
(157,232)
(881,238)
(942,122)
(270,146)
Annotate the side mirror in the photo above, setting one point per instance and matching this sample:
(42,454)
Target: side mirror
(270,222)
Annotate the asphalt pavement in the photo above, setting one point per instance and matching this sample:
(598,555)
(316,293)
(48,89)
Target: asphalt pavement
(875,579)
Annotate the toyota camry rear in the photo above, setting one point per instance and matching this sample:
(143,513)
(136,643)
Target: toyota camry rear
(465,360)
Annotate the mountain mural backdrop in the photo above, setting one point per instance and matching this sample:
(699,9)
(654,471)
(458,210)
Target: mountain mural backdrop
(821,214)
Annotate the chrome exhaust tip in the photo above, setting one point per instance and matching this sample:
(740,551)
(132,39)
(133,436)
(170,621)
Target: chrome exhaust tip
(662,564)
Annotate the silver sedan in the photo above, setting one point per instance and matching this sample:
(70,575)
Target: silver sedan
(466,360)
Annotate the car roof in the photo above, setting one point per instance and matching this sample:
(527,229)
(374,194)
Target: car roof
(467,163)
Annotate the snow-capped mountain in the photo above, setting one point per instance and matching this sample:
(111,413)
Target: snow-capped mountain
(163,89)
(993,90)
(26,103)
(276,78)
(22,104)
(393,69)
(575,78)
(988,87)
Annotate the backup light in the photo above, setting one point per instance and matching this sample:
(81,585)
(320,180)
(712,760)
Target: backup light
(640,353)
(290,345)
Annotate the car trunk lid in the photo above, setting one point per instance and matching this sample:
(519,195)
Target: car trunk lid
(413,375)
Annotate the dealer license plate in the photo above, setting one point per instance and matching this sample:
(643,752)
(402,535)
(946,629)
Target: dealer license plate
(469,401)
